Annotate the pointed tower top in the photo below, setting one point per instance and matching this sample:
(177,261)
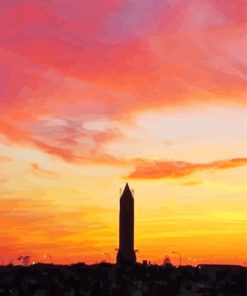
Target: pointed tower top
(126,192)
(127,185)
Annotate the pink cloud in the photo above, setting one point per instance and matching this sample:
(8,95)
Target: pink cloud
(64,150)
(83,62)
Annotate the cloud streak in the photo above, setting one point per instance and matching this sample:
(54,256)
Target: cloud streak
(180,169)
(43,173)
(33,223)
(73,146)
(5,159)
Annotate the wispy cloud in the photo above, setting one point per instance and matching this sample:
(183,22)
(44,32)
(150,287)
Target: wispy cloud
(66,147)
(192,183)
(5,158)
(43,173)
(32,226)
(179,169)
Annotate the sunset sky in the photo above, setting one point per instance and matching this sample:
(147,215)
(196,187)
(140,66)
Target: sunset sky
(97,93)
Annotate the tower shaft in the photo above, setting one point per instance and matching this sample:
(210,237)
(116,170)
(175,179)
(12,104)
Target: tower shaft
(126,252)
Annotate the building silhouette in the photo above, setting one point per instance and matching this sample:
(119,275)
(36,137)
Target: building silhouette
(126,253)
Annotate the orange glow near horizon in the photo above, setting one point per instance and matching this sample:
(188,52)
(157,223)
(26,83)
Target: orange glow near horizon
(152,93)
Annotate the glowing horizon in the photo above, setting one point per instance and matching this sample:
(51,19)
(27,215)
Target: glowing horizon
(92,96)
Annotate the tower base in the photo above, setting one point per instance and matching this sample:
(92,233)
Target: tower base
(126,259)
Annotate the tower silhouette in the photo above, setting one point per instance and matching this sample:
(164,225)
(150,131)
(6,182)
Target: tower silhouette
(126,253)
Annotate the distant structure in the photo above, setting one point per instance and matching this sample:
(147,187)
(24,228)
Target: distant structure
(126,253)
(167,262)
(25,260)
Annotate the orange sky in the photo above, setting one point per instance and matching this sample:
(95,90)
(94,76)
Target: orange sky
(149,92)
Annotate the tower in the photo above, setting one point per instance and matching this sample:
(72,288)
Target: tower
(126,252)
